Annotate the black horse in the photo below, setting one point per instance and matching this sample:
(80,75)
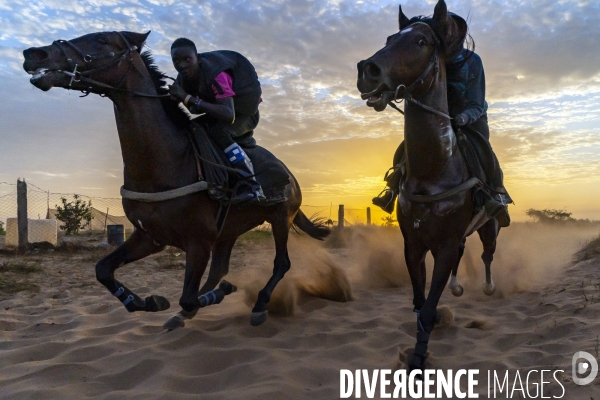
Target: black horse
(158,162)
(436,208)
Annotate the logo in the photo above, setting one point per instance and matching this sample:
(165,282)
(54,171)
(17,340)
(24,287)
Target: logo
(583,364)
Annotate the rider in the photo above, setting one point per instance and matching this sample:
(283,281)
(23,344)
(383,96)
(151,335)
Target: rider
(468,109)
(224,86)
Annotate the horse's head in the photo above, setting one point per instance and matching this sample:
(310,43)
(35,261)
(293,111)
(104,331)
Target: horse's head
(94,56)
(410,57)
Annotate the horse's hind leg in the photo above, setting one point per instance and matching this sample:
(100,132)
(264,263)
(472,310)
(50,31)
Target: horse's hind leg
(196,259)
(138,246)
(281,228)
(488,234)
(455,287)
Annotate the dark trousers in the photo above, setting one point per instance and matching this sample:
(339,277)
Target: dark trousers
(225,134)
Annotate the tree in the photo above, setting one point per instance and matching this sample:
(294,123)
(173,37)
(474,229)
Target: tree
(2,231)
(76,215)
(389,221)
(549,216)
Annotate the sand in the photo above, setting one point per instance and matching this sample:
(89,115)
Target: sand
(73,340)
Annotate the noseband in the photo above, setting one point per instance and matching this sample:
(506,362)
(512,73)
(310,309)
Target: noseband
(77,76)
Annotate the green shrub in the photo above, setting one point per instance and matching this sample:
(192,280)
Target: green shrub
(76,215)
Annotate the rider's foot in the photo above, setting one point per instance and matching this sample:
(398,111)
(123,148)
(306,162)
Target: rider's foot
(248,193)
(498,210)
(386,201)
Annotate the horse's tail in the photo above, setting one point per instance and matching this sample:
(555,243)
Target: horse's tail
(315,228)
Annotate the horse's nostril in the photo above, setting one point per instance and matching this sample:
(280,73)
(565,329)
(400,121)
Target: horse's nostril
(371,70)
(35,54)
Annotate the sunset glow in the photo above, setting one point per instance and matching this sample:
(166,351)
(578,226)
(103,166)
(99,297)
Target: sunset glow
(541,60)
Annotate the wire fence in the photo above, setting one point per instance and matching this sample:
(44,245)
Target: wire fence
(41,209)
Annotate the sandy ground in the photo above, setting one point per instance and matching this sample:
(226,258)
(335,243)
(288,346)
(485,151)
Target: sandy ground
(71,339)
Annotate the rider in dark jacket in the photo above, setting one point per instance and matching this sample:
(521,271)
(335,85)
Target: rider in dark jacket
(224,86)
(468,109)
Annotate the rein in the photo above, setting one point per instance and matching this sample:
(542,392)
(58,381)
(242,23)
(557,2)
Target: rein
(77,76)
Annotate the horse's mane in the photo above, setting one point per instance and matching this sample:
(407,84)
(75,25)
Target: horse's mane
(174,112)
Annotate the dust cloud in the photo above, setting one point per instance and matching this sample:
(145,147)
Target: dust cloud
(528,256)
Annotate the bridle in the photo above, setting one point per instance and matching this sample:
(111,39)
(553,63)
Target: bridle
(402,92)
(78,76)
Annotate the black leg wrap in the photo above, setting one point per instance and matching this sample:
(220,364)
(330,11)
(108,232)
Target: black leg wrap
(422,341)
(216,296)
(212,297)
(421,349)
(130,300)
(423,337)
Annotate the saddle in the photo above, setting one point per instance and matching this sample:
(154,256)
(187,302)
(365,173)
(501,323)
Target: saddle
(481,161)
(215,168)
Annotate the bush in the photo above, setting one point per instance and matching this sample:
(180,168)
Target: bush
(76,215)
(389,221)
(549,216)
(2,231)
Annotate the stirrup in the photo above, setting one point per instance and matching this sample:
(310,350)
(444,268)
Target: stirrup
(385,203)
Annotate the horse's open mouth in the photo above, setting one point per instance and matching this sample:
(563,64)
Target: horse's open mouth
(41,78)
(377,98)
(37,74)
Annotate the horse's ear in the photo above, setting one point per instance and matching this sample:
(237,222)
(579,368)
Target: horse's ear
(136,39)
(403,20)
(441,21)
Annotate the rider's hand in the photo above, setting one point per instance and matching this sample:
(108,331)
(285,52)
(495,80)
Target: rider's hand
(177,93)
(459,121)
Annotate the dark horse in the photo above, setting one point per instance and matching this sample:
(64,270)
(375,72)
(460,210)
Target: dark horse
(436,208)
(159,158)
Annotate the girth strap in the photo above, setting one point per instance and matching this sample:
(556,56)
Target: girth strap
(166,195)
(427,198)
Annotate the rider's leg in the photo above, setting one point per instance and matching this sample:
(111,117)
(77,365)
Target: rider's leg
(387,199)
(496,206)
(224,134)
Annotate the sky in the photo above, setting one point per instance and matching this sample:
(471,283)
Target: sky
(541,61)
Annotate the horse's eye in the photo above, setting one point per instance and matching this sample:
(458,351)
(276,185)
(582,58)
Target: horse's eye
(422,42)
(102,40)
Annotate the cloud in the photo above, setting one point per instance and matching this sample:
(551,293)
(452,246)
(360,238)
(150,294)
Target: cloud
(542,63)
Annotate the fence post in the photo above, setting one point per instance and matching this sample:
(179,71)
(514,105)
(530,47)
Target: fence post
(368,215)
(341,216)
(23,230)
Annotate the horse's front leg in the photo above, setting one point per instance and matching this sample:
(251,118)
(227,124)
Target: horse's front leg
(138,246)
(196,260)
(414,255)
(445,260)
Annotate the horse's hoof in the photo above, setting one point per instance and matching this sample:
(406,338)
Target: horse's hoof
(174,322)
(156,303)
(489,288)
(416,362)
(259,317)
(457,290)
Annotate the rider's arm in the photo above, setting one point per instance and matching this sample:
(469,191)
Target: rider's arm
(475,94)
(223,110)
